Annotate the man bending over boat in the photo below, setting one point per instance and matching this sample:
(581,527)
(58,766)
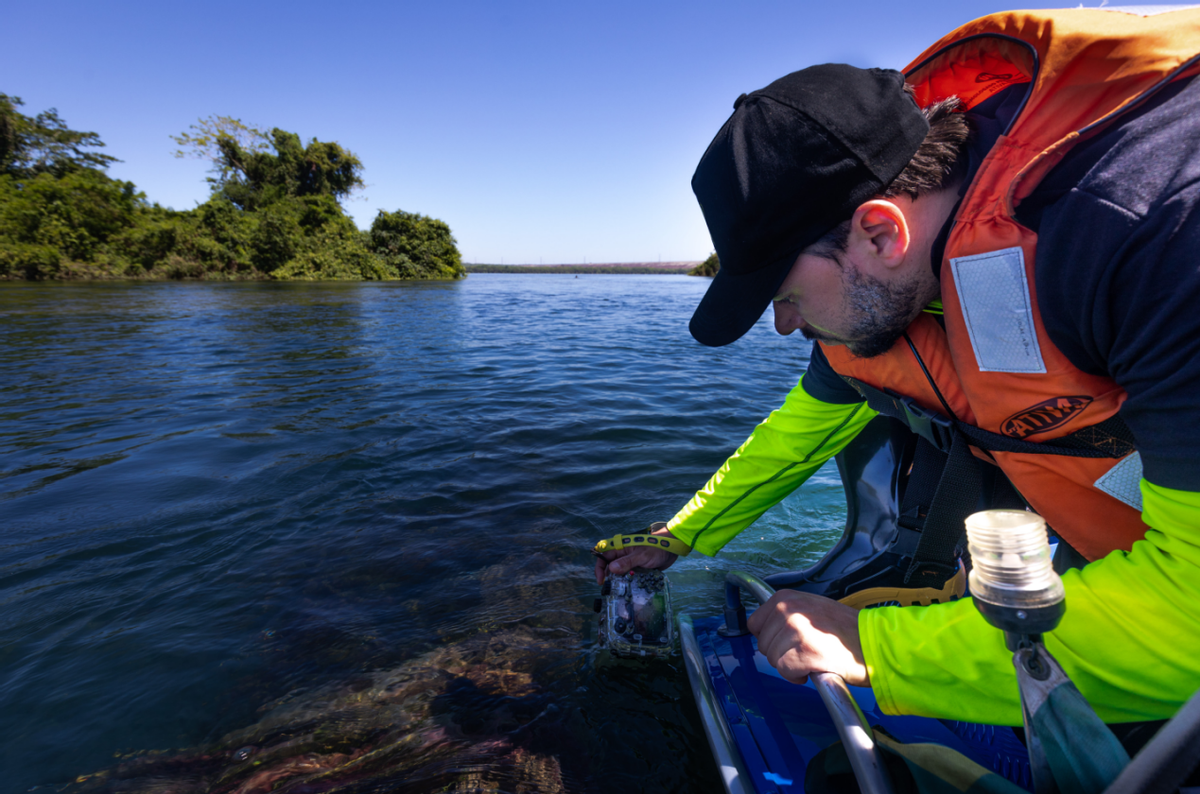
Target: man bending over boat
(998,247)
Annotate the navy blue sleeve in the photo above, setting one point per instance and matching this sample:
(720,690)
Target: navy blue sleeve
(1118,273)
(824,384)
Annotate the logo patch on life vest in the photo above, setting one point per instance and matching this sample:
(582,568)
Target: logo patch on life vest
(985,77)
(1046,415)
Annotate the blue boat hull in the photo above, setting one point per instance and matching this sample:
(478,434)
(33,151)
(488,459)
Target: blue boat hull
(764,731)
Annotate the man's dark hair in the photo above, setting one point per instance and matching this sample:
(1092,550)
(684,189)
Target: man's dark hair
(938,164)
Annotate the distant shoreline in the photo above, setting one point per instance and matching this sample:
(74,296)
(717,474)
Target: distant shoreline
(628,268)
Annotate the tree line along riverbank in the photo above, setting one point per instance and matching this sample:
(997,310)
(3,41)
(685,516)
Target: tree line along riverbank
(274,211)
(626,268)
(708,267)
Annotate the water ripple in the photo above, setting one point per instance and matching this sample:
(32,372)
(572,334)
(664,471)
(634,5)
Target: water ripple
(226,505)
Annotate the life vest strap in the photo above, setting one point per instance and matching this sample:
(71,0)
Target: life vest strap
(944,456)
(1111,438)
(956,497)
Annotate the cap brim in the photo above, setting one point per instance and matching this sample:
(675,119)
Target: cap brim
(734,302)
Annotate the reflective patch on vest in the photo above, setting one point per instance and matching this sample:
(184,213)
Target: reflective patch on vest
(1143,11)
(1123,481)
(998,312)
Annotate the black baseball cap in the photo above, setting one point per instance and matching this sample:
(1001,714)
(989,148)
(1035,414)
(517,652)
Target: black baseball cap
(793,161)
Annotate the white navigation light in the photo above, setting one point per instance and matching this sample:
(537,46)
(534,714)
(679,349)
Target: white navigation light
(1012,571)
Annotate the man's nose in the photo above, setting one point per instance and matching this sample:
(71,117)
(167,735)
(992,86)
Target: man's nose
(787,318)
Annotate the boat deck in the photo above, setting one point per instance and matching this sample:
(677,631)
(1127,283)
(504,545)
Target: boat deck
(776,727)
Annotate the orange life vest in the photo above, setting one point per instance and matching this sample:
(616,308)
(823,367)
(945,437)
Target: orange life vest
(994,364)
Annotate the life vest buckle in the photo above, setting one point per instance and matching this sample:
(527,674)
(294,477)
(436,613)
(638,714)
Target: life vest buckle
(929,425)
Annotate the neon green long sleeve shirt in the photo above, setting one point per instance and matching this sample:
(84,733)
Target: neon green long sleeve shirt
(1130,639)
(781,453)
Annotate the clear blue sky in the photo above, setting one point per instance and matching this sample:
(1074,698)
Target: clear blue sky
(540,131)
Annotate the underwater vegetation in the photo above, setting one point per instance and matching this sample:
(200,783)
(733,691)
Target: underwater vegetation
(477,714)
(466,717)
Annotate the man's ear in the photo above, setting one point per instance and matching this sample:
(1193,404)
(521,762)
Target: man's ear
(879,232)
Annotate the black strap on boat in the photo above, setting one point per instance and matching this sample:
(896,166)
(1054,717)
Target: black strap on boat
(943,456)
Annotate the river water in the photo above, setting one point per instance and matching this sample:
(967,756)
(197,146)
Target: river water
(235,513)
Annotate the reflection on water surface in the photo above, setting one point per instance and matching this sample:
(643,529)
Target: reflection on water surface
(334,537)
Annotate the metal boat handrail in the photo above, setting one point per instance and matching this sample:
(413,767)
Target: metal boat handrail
(733,769)
(852,727)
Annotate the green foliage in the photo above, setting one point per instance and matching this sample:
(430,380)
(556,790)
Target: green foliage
(416,244)
(253,168)
(709,267)
(157,237)
(318,169)
(203,142)
(274,211)
(277,238)
(43,144)
(28,261)
(72,216)
(342,258)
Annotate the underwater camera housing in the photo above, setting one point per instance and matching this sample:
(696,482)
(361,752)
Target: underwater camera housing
(635,617)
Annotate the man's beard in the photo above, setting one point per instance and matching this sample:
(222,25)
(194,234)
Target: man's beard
(883,310)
